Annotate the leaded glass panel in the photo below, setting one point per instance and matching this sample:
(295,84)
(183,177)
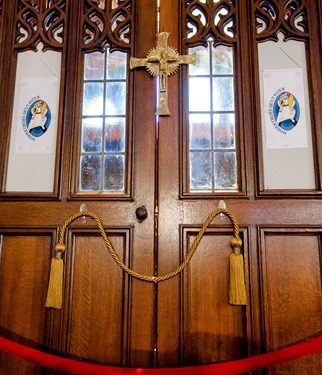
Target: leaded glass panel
(103,151)
(212,132)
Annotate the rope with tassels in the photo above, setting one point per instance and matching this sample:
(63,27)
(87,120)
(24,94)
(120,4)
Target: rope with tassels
(237,290)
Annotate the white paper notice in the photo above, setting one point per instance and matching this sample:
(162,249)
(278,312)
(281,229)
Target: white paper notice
(285,119)
(37,116)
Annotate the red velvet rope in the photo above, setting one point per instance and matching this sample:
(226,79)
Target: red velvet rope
(228,368)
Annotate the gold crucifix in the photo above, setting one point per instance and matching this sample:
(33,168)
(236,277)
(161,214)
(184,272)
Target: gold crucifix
(162,61)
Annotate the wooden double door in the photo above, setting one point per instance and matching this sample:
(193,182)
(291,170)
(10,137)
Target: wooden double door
(109,317)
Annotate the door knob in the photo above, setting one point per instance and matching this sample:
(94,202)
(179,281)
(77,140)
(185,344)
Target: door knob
(141,213)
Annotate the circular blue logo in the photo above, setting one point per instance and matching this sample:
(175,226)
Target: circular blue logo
(286,111)
(38,118)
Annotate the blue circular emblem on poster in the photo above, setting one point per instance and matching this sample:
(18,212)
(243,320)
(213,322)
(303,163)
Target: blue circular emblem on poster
(38,118)
(286,111)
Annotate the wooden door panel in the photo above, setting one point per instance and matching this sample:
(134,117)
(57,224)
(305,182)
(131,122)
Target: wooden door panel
(107,316)
(17,366)
(291,284)
(24,270)
(97,297)
(213,330)
(142,330)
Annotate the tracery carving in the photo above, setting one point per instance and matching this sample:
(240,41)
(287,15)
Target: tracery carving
(107,23)
(40,21)
(286,16)
(210,18)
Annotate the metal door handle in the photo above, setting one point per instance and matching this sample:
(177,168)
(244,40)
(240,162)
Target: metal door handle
(141,213)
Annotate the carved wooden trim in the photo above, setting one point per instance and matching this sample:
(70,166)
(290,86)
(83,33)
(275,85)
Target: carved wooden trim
(105,23)
(288,17)
(40,21)
(0,11)
(1,6)
(205,20)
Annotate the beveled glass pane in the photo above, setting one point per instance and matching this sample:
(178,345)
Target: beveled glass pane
(115,134)
(202,66)
(90,173)
(115,98)
(93,99)
(200,171)
(92,129)
(199,94)
(116,63)
(225,170)
(222,60)
(223,94)
(224,130)
(114,172)
(94,66)
(200,134)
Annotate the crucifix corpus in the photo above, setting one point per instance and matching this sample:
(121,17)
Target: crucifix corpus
(162,61)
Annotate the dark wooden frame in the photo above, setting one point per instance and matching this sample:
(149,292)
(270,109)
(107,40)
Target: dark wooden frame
(314,61)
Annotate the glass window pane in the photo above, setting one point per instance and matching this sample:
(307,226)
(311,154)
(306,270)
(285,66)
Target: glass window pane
(199,94)
(225,170)
(222,60)
(93,99)
(212,119)
(223,94)
(114,173)
(224,130)
(90,173)
(115,134)
(115,98)
(202,66)
(116,64)
(200,171)
(104,122)
(94,66)
(200,134)
(92,135)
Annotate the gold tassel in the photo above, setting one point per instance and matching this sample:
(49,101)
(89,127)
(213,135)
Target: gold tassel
(237,288)
(55,286)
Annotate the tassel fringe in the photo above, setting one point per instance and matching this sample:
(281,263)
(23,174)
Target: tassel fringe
(237,288)
(55,286)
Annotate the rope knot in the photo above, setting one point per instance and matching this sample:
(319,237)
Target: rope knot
(59,248)
(236,242)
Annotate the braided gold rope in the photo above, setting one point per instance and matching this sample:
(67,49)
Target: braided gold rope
(235,243)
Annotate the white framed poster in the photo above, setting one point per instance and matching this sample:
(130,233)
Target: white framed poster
(37,116)
(284,109)
(32,151)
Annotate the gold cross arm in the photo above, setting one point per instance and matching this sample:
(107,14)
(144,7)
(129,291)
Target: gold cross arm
(162,61)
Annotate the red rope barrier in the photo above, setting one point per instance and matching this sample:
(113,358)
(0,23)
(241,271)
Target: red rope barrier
(228,368)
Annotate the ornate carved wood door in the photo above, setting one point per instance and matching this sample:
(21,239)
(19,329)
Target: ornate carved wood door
(153,180)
